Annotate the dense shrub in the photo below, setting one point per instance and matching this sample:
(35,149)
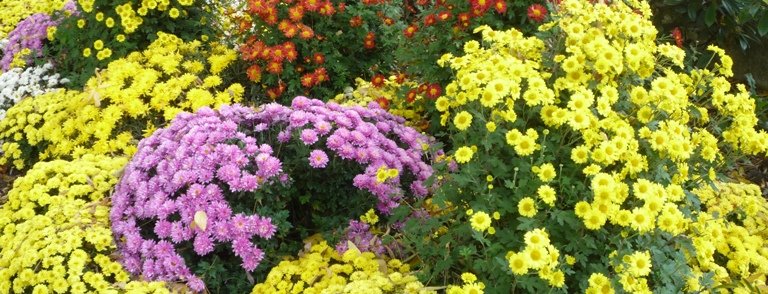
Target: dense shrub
(217,178)
(321,269)
(589,131)
(120,105)
(102,31)
(56,235)
(316,48)
(14,11)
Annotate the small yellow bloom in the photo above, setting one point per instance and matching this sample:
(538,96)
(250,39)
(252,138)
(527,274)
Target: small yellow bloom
(462,120)
(464,154)
(173,13)
(480,221)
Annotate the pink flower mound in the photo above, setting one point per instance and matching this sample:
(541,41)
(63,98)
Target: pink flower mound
(183,170)
(193,165)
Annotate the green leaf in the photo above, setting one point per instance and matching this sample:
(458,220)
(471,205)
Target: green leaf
(710,14)
(762,26)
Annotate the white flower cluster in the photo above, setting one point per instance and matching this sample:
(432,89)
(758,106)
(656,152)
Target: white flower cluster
(16,84)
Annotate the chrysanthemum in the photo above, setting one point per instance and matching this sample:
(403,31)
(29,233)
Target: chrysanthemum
(546,172)
(527,207)
(318,159)
(525,146)
(537,12)
(640,263)
(518,264)
(537,238)
(462,120)
(594,219)
(480,221)
(464,154)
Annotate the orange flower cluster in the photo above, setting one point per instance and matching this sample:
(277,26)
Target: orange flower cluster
(443,11)
(286,30)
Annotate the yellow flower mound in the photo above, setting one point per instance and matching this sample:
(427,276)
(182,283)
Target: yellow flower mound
(626,100)
(14,11)
(730,236)
(121,104)
(132,17)
(56,235)
(640,127)
(322,270)
(396,95)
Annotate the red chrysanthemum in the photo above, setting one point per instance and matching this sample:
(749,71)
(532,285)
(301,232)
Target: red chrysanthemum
(378,80)
(423,88)
(434,91)
(370,41)
(464,17)
(321,74)
(411,96)
(480,4)
(500,6)
(383,102)
(269,15)
(290,51)
(265,53)
(245,25)
(410,30)
(256,6)
(318,58)
(296,13)
(308,80)
(306,33)
(430,20)
(311,5)
(275,67)
(327,8)
(355,21)
(254,73)
(677,34)
(290,31)
(400,78)
(277,54)
(444,15)
(537,12)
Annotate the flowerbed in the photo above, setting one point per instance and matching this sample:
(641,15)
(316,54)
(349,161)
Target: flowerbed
(458,147)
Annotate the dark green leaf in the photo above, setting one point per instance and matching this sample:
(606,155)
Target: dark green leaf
(762,26)
(710,14)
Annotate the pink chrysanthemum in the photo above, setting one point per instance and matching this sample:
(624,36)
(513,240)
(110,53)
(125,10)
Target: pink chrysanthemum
(318,159)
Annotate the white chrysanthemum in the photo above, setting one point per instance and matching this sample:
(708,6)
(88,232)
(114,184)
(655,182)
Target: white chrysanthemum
(16,84)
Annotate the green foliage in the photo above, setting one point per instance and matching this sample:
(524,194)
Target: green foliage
(707,22)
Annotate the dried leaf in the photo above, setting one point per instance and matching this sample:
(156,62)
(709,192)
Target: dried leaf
(351,246)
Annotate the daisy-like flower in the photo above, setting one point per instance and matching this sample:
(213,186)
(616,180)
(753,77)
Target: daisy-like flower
(537,12)
(318,159)
(464,154)
(480,221)
(462,120)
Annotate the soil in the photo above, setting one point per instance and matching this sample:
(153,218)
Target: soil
(6,181)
